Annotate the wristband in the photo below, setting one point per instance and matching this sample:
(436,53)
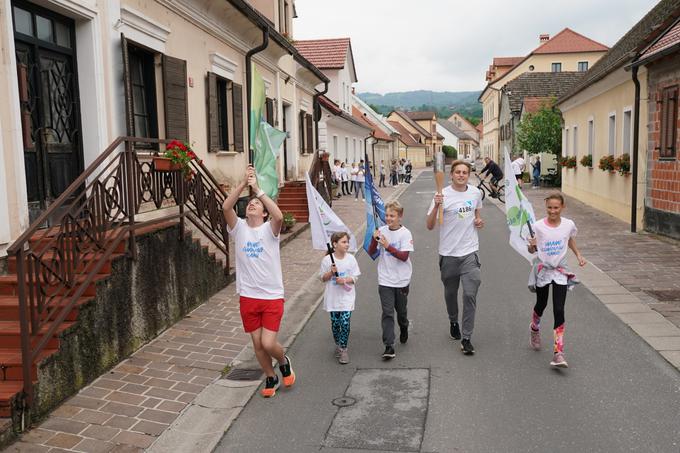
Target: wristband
(259,193)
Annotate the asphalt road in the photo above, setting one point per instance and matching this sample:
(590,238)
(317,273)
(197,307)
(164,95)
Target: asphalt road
(617,395)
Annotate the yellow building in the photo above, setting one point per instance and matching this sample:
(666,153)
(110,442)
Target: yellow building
(566,51)
(410,147)
(432,141)
(599,121)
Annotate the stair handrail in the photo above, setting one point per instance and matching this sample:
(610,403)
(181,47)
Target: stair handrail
(79,206)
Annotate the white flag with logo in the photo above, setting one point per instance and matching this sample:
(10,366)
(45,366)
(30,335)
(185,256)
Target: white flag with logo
(323,221)
(518,211)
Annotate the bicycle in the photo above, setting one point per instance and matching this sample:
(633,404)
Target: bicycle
(484,188)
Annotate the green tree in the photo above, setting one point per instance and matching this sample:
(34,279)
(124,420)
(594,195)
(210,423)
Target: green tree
(541,131)
(450,151)
(473,119)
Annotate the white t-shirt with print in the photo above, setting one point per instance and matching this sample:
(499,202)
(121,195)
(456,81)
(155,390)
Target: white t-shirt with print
(258,261)
(340,297)
(353,173)
(457,234)
(393,272)
(360,175)
(553,245)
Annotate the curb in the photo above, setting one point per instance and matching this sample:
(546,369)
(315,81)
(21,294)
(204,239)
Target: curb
(662,335)
(203,423)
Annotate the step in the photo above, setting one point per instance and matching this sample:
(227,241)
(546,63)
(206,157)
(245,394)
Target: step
(10,360)
(11,338)
(84,265)
(9,285)
(9,308)
(8,391)
(302,200)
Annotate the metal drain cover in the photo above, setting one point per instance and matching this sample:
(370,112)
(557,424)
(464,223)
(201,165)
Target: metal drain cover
(344,401)
(244,374)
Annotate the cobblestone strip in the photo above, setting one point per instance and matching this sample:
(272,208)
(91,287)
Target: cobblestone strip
(625,271)
(126,409)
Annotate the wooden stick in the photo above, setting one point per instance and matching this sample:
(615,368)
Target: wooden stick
(439,180)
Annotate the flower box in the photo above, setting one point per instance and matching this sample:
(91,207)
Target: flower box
(165,164)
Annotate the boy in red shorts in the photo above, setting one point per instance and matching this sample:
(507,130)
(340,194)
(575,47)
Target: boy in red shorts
(259,282)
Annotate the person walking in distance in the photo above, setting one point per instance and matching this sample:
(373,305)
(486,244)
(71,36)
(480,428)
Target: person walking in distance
(553,234)
(394,243)
(344,178)
(340,294)
(360,179)
(259,281)
(381,183)
(353,177)
(458,248)
(536,173)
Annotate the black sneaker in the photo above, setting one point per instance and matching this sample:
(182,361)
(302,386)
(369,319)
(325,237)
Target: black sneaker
(467,347)
(271,385)
(403,335)
(455,331)
(287,373)
(389,353)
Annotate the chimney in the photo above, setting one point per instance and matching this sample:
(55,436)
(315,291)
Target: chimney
(545,37)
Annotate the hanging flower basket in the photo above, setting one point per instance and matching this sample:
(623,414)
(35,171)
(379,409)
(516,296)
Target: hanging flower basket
(177,156)
(568,162)
(165,164)
(622,164)
(587,161)
(607,163)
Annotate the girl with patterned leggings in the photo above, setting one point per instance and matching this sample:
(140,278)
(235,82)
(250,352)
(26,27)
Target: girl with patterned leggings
(340,276)
(553,235)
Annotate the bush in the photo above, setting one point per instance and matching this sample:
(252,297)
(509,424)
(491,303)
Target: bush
(622,164)
(606,163)
(568,162)
(587,161)
(450,151)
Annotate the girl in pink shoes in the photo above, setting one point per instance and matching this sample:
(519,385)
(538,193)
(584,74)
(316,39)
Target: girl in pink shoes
(551,237)
(339,296)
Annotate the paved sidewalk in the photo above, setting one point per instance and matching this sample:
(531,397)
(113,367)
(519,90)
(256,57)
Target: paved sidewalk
(647,265)
(128,408)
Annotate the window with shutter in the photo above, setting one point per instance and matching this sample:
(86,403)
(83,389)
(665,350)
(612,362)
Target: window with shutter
(139,80)
(175,102)
(310,133)
(669,123)
(237,99)
(301,131)
(213,120)
(269,111)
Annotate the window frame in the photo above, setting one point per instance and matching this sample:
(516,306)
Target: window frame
(627,138)
(556,65)
(668,119)
(591,139)
(611,134)
(578,66)
(147,58)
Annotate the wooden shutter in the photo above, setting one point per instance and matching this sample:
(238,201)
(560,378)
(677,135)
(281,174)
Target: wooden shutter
(127,86)
(269,104)
(213,114)
(175,98)
(673,122)
(301,130)
(237,100)
(310,133)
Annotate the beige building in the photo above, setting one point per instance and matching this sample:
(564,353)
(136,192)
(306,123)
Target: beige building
(566,51)
(599,121)
(184,63)
(466,126)
(421,134)
(410,147)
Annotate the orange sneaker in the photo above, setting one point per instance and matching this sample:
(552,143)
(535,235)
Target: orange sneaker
(287,373)
(271,384)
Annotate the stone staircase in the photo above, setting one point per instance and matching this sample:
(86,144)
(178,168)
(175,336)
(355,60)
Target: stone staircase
(293,198)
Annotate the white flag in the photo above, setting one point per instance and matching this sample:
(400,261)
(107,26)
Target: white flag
(518,211)
(323,221)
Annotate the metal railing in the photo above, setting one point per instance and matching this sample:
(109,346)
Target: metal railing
(56,265)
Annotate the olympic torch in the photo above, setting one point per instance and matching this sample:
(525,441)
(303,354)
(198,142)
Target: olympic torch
(439,180)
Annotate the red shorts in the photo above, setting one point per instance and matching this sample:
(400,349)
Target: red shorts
(256,313)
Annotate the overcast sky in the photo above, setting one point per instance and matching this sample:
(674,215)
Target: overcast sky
(447,45)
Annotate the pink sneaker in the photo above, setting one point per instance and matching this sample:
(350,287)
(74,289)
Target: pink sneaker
(558,361)
(535,339)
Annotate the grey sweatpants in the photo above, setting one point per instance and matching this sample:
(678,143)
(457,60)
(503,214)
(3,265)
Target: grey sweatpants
(392,299)
(454,270)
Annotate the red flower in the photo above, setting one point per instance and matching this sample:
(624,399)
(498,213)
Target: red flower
(181,146)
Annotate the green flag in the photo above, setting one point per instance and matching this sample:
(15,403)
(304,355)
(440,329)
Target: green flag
(265,141)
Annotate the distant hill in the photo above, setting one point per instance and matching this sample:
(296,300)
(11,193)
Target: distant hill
(444,102)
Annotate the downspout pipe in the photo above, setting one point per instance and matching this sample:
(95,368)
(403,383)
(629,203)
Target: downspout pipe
(249,95)
(317,113)
(636,140)
(366,146)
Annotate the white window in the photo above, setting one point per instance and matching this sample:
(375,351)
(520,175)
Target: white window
(591,137)
(335,145)
(612,134)
(574,143)
(627,123)
(566,142)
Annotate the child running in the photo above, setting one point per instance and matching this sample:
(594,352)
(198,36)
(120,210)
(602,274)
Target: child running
(339,296)
(552,235)
(394,243)
(259,281)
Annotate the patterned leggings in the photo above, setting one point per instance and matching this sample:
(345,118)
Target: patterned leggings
(340,327)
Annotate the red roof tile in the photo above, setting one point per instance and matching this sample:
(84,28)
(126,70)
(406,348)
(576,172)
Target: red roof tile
(377,132)
(506,61)
(671,38)
(533,104)
(568,41)
(406,136)
(325,53)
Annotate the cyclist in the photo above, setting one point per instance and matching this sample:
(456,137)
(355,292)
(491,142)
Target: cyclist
(492,168)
